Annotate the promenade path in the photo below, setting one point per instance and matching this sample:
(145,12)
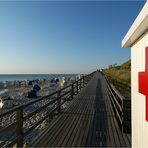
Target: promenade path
(89,121)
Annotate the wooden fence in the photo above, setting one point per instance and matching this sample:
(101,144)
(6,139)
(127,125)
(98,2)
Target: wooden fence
(46,108)
(121,106)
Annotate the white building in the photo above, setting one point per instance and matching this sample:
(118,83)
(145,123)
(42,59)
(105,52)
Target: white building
(137,39)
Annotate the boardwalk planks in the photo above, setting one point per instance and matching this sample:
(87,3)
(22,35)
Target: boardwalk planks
(88,121)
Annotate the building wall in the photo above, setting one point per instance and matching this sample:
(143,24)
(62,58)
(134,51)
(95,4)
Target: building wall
(139,124)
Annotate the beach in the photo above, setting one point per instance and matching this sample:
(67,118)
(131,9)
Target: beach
(14,94)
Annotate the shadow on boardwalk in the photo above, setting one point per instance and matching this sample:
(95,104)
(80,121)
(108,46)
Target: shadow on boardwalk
(98,130)
(89,121)
(105,131)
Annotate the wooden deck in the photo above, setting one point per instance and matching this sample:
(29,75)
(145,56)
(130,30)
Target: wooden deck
(89,121)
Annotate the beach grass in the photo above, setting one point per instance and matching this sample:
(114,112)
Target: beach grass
(121,77)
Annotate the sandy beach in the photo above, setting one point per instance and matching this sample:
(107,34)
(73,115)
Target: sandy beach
(19,96)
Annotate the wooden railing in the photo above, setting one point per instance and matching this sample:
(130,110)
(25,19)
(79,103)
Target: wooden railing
(121,106)
(43,108)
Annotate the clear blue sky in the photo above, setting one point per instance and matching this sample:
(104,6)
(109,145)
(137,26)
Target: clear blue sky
(64,37)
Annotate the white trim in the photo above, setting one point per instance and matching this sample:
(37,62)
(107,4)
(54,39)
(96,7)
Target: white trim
(138,28)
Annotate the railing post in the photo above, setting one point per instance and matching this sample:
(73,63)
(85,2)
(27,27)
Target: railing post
(77,87)
(126,117)
(86,80)
(20,127)
(72,91)
(83,81)
(59,101)
(51,115)
(80,84)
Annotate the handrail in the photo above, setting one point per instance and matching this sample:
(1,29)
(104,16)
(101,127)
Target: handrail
(20,118)
(121,106)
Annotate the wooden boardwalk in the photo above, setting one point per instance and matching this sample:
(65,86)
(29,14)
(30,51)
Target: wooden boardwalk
(89,121)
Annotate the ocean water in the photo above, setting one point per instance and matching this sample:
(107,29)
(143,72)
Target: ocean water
(20,77)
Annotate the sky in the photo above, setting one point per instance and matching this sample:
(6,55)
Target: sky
(51,37)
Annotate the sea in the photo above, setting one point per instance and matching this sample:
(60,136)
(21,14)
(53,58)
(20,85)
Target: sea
(21,77)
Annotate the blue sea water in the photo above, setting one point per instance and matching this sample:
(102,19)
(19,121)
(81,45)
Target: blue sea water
(20,77)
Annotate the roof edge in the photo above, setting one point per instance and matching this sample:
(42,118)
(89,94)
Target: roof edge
(139,26)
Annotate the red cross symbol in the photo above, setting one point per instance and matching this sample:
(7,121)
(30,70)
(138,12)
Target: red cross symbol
(143,82)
